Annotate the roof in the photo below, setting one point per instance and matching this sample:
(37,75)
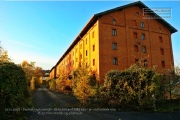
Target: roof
(142,5)
(51,69)
(98,15)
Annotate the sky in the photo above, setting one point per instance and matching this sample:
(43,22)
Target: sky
(41,31)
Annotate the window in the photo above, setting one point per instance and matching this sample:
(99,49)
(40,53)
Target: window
(114,46)
(86,53)
(86,40)
(93,34)
(160,39)
(134,23)
(135,35)
(93,48)
(143,49)
(80,56)
(145,63)
(137,13)
(136,61)
(162,51)
(114,32)
(93,62)
(80,46)
(163,64)
(115,61)
(159,29)
(113,21)
(143,36)
(136,48)
(142,24)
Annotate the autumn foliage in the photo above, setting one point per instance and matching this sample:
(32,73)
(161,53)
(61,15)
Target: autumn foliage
(33,74)
(84,85)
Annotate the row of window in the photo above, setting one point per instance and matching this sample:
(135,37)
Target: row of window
(93,49)
(142,25)
(86,41)
(115,62)
(144,62)
(136,48)
(135,36)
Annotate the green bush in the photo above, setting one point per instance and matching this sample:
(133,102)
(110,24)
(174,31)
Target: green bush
(13,91)
(108,90)
(133,86)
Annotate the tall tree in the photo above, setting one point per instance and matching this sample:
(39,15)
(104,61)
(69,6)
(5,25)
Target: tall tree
(4,55)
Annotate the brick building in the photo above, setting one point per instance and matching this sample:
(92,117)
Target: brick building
(118,38)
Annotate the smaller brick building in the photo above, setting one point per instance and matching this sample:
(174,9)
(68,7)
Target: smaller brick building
(118,38)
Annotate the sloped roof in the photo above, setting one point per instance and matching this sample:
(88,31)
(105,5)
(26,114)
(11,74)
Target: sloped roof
(142,5)
(98,15)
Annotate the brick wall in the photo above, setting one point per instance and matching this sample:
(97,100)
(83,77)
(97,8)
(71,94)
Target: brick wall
(127,23)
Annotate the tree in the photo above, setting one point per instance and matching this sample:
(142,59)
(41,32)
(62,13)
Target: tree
(4,55)
(32,73)
(108,92)
(83,86)
(13,91)
(61,81)
(38,74)
(28,68)
(173,84)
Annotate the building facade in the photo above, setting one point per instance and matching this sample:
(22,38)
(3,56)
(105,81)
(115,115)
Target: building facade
(118,38)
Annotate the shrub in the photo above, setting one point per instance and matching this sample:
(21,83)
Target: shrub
(32,84)
(134,86)
(52,84)
(13,91)
(108,91)
(83,85)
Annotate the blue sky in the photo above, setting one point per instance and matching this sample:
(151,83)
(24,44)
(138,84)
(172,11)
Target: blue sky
(42,31)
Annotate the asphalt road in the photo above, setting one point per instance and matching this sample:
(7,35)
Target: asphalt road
(55,106)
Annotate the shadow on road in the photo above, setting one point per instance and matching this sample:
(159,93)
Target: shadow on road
(56,106)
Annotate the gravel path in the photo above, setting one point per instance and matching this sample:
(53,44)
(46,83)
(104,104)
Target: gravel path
(55,106)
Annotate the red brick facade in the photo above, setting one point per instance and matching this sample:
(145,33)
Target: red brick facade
(125,38)
(132,39)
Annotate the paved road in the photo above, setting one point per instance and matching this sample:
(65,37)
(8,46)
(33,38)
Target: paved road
(55,106)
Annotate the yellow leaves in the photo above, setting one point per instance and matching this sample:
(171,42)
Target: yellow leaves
(4,56)
(81,85)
